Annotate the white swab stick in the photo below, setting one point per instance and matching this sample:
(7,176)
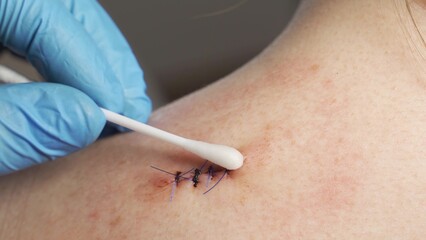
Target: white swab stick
(224,156)
(7,75)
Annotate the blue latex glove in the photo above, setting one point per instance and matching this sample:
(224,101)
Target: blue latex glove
(74,43)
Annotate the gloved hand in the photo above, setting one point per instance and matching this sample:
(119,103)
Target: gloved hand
(74,43)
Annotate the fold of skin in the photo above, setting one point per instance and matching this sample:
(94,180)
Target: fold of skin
(330,119)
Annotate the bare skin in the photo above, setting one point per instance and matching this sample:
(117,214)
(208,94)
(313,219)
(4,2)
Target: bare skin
(330,119)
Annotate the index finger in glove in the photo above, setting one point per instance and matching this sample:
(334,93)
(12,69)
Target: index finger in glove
(118,53)
(60,48)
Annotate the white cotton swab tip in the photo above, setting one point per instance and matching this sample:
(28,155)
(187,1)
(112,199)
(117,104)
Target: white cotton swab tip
(224,156)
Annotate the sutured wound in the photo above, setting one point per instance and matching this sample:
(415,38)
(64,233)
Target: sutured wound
(179,176)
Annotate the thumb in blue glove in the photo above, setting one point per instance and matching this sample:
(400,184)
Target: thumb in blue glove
(50,121)
(75,43)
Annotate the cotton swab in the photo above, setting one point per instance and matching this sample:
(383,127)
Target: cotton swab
(224,156)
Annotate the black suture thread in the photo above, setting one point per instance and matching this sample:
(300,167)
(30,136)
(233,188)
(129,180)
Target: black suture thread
(202,166)
(218,181)
(195,179)
(161,170)
(210,176)
(187,172)
(173,174)
(179,175)
(197,173)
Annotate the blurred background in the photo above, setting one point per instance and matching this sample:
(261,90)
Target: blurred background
(183,45)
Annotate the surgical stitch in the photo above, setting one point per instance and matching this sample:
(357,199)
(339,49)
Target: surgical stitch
(209,176)
(178,177)
(218,181)
(197,173)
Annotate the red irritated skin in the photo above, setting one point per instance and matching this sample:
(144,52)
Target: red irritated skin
(330,121)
